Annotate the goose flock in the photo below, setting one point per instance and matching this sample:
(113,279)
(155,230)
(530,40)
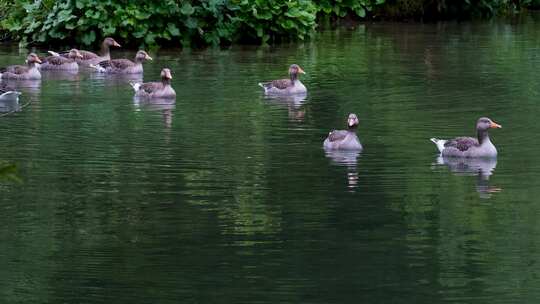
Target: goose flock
(460,147)
(101,62)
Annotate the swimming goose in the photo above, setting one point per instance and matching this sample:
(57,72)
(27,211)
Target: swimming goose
(30,71)
(161,89)
(8,94)
(344,139)
(286,86)
(60,63)
(469,146)
(123,66)
(104,53)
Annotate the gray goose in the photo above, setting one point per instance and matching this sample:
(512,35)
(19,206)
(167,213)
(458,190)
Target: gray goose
(93,58)
(344,139)
(61,63)
(123,66)
(286,86)
(30,71)
(161,89)
(480,146)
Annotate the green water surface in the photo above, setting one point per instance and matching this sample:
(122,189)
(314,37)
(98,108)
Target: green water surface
(228,197)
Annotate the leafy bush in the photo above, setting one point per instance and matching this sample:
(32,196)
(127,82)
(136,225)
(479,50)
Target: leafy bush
(203,22)
(87,20)
(277,18)
(342,8)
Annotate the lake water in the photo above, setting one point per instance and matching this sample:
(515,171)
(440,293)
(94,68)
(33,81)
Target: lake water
(228,197)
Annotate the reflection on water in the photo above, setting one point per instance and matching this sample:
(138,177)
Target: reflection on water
(294,103)
(347,159)
(49,75)
(482,168)
(115,79)
(163,105)
(27,87)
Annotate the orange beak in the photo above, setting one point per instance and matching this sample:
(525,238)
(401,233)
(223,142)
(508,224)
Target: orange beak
(495,125)
(301,71)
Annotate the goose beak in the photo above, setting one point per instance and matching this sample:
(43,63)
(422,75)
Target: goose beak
(301,71)
(495,125)
(148,57)
(351,122)
(38,60)
(116,44)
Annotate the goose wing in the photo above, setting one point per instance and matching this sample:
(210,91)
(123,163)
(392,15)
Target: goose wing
(461,143)
(15,69)
(278,84)
(119,64)
(56,60)
(150,87)
(337,135)
(86,55)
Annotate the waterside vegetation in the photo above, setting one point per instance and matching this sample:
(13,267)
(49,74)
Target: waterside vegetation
(217,22)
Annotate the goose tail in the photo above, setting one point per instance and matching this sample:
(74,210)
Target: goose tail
(439,143)
(135,85)
(97,68)
(265,86)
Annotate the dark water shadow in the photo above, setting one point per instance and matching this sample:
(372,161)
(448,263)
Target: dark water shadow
(348,160)
(294,104)
(479,167)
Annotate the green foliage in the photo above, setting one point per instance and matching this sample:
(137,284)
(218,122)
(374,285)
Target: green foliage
(203,22)
(177,21)
(270,18)
(342,8)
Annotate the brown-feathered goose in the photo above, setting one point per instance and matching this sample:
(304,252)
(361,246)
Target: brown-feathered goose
(286,86)
(104,53)
(161,89)
(344,139)
(123,66)
(61,63)
(30,71)
(469,146)
(8,93)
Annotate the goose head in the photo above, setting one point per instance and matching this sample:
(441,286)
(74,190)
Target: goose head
(484,124)
(75,54)
(294,70)
(166,75)
(352,121)
(32,59)
(107,42)
(142,56)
